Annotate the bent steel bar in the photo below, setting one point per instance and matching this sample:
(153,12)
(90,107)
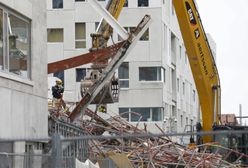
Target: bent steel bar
(84,58)
(112,66)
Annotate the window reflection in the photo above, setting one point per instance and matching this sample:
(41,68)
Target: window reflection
(80,35)
(150,73)
(18,31)
(57,4)
(55,35)
(145,114)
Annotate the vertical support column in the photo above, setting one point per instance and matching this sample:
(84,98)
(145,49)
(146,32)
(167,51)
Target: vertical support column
(240,114)
(56,151)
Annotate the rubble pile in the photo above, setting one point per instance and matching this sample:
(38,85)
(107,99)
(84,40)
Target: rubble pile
(148,151)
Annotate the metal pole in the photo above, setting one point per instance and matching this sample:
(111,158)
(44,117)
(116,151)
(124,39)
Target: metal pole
(56,151)
(240,114)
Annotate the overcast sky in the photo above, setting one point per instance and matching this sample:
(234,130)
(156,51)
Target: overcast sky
(227,22)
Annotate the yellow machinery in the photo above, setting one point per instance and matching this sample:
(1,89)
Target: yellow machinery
(104,30)
(207,81)
(202,63)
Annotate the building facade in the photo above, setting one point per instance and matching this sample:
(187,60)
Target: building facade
(156,81)
(23,73)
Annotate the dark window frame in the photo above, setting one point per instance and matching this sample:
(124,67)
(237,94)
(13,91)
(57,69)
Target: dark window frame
(143,3)
(82,39)
(126,3)
(55,41)
(124,78)
(82,72)
(150,74)
(58,4)
(133,114)
(16,35)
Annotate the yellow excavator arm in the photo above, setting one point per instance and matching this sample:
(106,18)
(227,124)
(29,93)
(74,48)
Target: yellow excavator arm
(201,61)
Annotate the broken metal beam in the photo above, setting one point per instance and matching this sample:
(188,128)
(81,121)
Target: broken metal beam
(83,59)
(111,68)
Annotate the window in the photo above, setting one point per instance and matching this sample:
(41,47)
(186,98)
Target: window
(164,74)
(124,113)
(181,119)
(57,4)
(183,88)
(156,114)
(19,44)
(180,52)
(194,95)
(178,84)
(145,36)
(80,74)
(142,114)
(80,35)
(174,111)
(143,3)
(150,74)
(15,34)
(126,3)
(96,25)
(60,75)
(123,74)
(55,35)
(173,45)
(173,81)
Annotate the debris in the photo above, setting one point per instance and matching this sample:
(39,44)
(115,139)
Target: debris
(147,151)
(150,151)
(86,164)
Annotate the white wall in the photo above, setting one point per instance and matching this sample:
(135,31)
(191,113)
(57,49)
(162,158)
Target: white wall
(23,101)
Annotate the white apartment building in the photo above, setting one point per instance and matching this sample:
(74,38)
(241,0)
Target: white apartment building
(23,74)
(155,79)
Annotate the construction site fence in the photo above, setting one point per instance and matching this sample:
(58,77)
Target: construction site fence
(64,152)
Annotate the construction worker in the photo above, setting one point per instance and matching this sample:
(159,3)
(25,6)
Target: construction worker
(102,108)
(57,92)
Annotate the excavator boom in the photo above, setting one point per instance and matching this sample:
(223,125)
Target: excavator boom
(202,63)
